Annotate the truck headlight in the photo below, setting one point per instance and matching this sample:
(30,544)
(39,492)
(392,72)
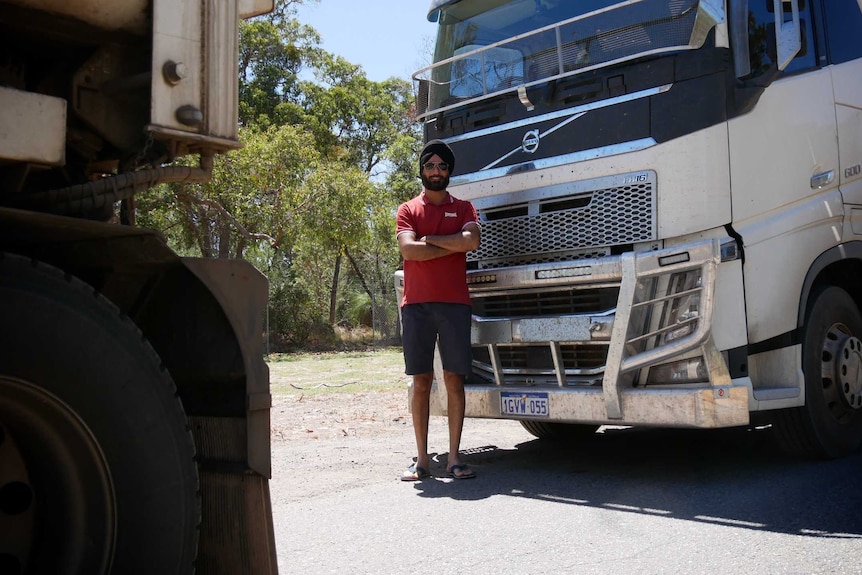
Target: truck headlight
(684,371)
(667,308)
(682,310)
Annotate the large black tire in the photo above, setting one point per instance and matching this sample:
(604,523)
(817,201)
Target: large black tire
(97,470)
(830,423)
(556,430)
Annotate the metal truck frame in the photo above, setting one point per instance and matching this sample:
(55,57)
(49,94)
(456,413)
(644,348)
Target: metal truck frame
(134,397)
(670,201)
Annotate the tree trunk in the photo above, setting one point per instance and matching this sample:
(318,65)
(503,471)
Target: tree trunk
(204,237)
(241,244)
(127,211)
(223,240)
(359,275)
(333,293)
(365,286)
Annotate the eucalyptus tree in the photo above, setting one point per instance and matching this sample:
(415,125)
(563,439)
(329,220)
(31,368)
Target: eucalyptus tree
(357,122)
(274,49)
(355,115)
(254,197)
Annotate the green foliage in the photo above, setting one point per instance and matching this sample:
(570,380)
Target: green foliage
(403,155)
(356,310)
(290,319)
(354,118)
(273,51)
(252,201)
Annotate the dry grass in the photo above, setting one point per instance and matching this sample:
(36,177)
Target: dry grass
(337,372)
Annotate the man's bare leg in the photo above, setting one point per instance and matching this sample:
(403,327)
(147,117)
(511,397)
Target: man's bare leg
(421,408)
(456,404)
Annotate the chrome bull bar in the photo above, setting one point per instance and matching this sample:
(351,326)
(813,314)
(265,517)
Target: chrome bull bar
(664,311)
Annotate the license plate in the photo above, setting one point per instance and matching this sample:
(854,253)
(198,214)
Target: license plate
(531,404)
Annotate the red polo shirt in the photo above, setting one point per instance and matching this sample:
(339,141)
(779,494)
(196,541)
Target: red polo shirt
(441,279)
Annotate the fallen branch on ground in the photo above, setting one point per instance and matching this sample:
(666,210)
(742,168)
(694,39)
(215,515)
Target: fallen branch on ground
(323,385)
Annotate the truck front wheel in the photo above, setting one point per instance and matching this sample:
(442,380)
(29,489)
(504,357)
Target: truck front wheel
(556,430)
(830,423)
(97,470)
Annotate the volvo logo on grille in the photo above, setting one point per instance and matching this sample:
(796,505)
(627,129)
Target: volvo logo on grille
(530,143)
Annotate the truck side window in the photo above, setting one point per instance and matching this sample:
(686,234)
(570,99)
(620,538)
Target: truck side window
(843,24)
(761,37)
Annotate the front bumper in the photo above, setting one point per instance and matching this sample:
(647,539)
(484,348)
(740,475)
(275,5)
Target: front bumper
(663,314)
(696,408)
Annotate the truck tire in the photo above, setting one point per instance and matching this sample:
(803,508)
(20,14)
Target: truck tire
(97,470)
(830,423)
(556,430)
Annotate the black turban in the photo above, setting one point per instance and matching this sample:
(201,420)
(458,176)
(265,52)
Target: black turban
(440,148)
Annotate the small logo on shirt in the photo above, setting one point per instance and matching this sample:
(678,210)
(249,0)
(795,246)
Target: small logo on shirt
(450,215)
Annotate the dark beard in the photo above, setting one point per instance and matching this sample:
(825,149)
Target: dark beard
(438,186)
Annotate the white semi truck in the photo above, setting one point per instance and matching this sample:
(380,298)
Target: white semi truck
(670,195)
(134,399)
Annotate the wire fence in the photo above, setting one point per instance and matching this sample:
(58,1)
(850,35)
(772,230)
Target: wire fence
(385,322)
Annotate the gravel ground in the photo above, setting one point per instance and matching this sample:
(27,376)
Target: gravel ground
(325,439)
(321,444)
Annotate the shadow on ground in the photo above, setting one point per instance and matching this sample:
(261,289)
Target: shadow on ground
(731,477)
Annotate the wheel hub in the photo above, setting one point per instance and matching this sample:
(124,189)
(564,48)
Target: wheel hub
(849,371)
(17,507)
(52,475)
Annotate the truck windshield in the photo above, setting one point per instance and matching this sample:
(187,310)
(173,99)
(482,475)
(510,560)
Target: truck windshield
(487,47)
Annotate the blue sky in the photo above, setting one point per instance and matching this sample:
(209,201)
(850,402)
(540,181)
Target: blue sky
(386,37)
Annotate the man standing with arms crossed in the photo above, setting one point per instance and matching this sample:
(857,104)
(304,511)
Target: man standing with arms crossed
(435,231)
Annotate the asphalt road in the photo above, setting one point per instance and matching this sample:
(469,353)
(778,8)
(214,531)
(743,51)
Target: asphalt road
(637,501)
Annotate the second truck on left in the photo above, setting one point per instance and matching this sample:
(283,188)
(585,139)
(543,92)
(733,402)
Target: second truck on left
(134,398)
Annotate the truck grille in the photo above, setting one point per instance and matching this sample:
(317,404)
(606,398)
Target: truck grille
(553,225)
(534,364)
(548,303)
(564,222)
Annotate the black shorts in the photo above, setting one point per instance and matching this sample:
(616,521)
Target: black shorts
(422,323)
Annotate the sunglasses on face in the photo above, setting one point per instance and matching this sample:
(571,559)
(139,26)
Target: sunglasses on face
(442,166)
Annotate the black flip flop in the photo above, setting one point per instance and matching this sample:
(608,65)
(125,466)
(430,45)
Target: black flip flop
(465,472)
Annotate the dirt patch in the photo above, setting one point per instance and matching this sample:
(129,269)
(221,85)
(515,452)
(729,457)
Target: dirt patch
(341,420)
(326,396)
(334,415)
